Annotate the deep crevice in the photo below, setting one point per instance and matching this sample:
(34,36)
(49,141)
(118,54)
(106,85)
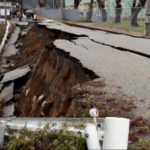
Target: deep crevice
(123,49)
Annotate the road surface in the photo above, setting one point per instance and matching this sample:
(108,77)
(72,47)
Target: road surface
(102,53)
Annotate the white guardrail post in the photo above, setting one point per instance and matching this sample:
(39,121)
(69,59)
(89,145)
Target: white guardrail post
(116,133)
(114,130)
(91,133)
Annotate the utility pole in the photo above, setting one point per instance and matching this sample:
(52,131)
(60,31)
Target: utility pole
(53,4)
(62,6)
(5,12)
(147,19)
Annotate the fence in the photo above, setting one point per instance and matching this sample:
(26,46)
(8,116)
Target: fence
(128,19)
(124,19)
(49,13)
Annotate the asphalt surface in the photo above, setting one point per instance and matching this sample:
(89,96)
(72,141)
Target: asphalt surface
(140,45)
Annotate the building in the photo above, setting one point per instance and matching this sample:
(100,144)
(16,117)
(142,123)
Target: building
(84,4)
(10,5)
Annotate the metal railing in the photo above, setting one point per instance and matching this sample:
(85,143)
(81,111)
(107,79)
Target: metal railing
(112,131)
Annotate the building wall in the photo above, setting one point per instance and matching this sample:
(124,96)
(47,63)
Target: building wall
(8,4)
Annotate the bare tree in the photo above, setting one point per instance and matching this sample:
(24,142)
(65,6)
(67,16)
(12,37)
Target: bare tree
(135,11)
(42,3)
(118,11)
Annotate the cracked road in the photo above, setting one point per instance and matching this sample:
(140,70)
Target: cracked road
(101,52)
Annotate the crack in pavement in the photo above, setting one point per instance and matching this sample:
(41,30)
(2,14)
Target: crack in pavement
(78,44)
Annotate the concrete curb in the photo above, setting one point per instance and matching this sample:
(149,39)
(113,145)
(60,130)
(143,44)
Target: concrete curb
(5,37)
(92,28)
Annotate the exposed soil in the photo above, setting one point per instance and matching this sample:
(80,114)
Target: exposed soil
(33,44)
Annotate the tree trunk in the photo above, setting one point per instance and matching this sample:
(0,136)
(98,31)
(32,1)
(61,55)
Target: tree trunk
(134,15)
(118,15)
(76,4)
(135,11)
(90,11)
(147,19)
(118,11)
(64,4)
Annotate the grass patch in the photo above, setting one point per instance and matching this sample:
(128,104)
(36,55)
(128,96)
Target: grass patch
(2,31)
(125,25)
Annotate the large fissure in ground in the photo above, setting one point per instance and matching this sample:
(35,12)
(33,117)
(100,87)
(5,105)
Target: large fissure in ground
(48,90)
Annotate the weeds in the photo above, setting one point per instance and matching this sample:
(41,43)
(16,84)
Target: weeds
(45,138)
(142,145)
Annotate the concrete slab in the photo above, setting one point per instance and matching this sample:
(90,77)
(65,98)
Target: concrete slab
(22,23)
(15,74)
(7,92)
(9,110)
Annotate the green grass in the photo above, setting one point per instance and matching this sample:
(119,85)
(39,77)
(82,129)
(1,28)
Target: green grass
(2,31)
(125,25)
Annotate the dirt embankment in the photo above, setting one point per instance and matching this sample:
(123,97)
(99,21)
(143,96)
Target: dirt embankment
(48,91)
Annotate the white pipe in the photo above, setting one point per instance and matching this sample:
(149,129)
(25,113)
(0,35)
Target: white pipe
(116,133)
(5,37)
(92,138)
(2,131)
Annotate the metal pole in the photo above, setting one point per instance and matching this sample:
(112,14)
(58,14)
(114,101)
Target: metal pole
(147,18)
(5,12)
(62,9)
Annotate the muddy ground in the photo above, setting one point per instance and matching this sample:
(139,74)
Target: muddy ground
(59,86)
